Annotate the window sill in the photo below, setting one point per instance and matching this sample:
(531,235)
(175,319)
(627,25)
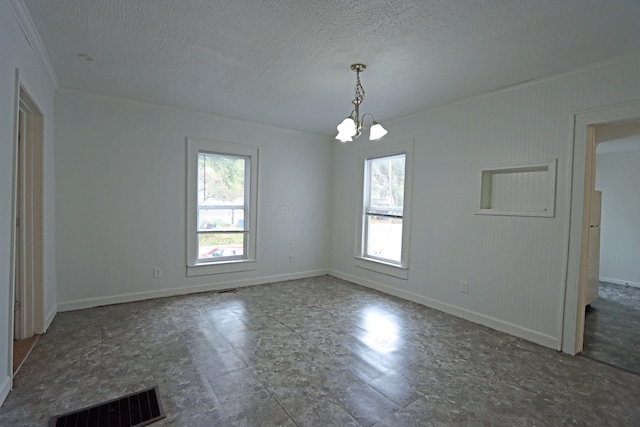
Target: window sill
(399,271)
(516,212)
(204,269)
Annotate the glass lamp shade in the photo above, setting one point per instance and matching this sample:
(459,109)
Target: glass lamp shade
(376,131)
(343,137)
(346,130)
(347,127)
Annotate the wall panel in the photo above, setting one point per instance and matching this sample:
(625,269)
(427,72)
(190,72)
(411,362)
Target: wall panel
(121,192)
(17,53)
(515,266)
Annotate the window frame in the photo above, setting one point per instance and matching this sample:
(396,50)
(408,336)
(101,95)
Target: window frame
(361,259)
(195,265)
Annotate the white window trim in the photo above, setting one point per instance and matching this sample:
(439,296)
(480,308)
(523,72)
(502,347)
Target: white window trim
(400,270)
(199,268)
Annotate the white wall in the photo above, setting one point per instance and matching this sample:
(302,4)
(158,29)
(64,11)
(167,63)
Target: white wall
(618,177)
(515,265)
(121,193)
(120,189)
(15,52)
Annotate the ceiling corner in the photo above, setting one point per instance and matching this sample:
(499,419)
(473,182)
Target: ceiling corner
(33,38)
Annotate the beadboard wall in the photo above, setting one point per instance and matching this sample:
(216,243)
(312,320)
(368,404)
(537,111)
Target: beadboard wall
(17,53)
(515,265)
(121,194)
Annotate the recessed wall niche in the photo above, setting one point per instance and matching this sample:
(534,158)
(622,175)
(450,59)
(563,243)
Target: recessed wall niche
(527,189)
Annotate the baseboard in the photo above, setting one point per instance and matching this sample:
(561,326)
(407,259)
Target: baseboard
(5,388)
(50,316)
(620,282)
(139,296)
(481,319)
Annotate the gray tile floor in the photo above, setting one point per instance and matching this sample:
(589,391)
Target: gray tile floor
(612,327)
(318,351)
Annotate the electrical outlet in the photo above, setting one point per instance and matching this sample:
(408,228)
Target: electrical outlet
(464,287)
(291,259)
(157,272)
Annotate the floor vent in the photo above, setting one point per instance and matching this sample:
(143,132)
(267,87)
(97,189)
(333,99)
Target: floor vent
(133,410)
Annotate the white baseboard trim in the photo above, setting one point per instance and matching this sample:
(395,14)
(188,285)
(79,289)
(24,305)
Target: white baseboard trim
(50,316)
(5,388)
(481,319)
(620,282)
(139,296)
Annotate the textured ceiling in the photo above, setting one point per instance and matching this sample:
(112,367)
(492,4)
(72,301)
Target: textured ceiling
(286,63)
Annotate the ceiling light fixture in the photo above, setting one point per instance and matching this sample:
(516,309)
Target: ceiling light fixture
(352,126)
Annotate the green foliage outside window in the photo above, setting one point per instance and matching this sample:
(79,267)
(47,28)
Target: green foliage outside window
(220,178)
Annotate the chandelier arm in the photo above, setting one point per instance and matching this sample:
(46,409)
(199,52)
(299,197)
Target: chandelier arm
(365,115)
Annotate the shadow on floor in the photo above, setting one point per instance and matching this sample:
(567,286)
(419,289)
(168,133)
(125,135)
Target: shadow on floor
(612,327)
(21,349)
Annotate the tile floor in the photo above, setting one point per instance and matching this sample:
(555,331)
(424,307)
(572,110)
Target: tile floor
(312,352)
(612,327)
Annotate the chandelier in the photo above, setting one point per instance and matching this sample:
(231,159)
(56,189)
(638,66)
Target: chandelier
(352,126)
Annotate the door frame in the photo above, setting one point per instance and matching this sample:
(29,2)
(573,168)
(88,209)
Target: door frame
(30,207)
(582,183)
(31,216)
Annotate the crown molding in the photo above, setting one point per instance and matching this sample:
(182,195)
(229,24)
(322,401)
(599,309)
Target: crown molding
(33,38)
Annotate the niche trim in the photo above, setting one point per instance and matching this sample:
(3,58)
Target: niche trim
(524,189)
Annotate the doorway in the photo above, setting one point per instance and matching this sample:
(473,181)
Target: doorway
(582,187)
(28,313)
(612,321)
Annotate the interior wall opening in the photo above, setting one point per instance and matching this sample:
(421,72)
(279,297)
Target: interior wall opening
(28,304)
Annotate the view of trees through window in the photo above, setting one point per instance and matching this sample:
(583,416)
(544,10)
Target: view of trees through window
(221,205)
(385,205)
(387,184)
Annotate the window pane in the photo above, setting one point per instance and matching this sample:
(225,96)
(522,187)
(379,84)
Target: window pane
(384,237)
(221,181)
(215,218)
(386,191)
(216,245)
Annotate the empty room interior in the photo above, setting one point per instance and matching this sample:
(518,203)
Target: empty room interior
(320,213)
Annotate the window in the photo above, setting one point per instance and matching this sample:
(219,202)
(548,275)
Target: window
(383,225)
(221,207)
(383,212)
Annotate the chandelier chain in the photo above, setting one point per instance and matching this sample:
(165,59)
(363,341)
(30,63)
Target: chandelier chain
(359,90)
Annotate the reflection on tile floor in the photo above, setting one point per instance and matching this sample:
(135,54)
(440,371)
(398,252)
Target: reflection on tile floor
(612,327)
(312,352)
